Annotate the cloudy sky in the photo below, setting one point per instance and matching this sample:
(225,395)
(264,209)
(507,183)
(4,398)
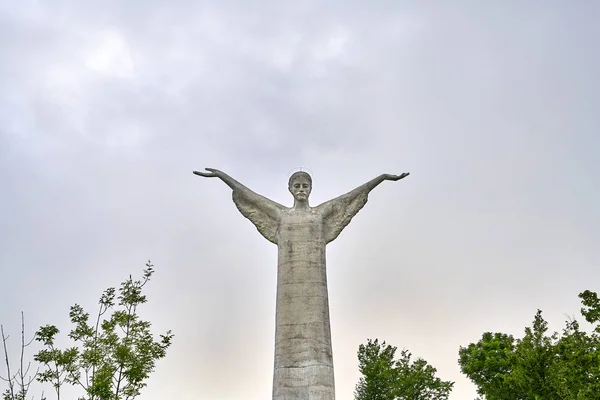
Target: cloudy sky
(107,107)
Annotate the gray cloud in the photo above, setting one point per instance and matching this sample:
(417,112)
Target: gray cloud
(106,108)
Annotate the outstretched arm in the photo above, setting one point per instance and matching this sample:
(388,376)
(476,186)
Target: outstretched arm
(363,190)
(271,208)
(337,213)
(215,173)
(383,177)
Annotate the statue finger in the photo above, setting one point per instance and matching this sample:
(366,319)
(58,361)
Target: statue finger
(203,174)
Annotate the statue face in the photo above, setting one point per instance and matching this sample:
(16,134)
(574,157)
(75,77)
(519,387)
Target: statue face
(300,188)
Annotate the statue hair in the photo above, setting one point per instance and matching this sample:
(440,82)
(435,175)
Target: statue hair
(298,174)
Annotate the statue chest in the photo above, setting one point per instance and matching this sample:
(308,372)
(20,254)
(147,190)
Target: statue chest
(301,248)
(301,226)
(300,237)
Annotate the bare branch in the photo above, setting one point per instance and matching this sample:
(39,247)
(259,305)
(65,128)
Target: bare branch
(22,373)
(10,379)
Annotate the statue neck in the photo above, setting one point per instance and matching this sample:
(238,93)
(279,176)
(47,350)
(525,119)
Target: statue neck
(301,205)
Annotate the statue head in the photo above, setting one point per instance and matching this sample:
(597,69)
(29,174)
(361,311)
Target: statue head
(300,185)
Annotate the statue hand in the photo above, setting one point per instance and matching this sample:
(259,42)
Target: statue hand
(389,177)
(213,173)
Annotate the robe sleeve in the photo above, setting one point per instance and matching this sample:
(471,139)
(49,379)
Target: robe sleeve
(262,212)
(338,213)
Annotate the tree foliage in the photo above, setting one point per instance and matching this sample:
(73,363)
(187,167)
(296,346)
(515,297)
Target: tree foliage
(116,355)
(113,356)
(387,378)
(539,365)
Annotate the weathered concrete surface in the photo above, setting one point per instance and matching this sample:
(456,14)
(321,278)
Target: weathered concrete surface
(303,357)
(303,367)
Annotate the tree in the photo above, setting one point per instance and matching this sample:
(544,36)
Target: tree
(531,361)
(539,365)
(576,372)
(20,381)
(114,357)
(116,354)
(385,378)
(487,363)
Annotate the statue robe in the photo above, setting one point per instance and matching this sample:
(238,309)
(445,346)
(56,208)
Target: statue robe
(303,357)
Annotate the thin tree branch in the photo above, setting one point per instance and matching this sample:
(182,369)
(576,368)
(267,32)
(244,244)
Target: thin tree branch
(129,308)
(9,380)
(22,373)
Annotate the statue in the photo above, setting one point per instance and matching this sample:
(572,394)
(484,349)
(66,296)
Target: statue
(303,358)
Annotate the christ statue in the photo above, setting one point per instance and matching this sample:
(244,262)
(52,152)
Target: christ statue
(303,358)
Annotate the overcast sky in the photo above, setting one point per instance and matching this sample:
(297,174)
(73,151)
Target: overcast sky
(106,107)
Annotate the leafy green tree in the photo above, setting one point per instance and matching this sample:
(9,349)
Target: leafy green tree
(385,378)
(531,361)
(488,363)
(115,355)
(539,366)
(575,374)
(591,309)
